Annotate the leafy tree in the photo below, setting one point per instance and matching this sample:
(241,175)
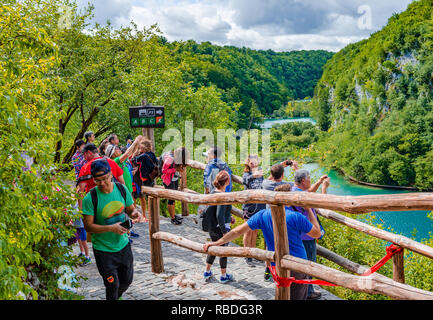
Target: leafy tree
(93,77)
(36,206)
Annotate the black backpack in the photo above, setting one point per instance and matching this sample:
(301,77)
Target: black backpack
(209,221)
(95,196)
(155,173)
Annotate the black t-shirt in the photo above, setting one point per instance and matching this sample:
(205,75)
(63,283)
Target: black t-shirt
(251,183)
(146,162)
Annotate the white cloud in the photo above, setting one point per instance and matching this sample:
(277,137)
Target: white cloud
(280,25)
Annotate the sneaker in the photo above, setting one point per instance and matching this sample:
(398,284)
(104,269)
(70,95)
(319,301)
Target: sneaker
(135,235)
(227,278)
(250,262)
(314,296)
(258,261)
(81,255)
(180,218)
(86,261)
(207,275)
(176,222)
(268,275)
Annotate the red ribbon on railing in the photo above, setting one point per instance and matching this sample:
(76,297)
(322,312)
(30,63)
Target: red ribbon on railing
(286,282)
(390,251)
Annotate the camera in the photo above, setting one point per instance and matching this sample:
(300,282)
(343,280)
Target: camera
(127,224)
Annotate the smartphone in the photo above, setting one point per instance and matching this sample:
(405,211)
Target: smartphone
(127,224)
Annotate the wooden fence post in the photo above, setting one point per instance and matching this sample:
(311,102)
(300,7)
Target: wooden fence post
(281,248)
(150,134)
(183,185)
(155,245)
(398,267)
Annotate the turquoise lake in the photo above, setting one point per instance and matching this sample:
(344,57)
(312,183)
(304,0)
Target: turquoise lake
(399,222)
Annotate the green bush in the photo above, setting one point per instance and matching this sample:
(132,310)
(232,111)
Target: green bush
(36,206)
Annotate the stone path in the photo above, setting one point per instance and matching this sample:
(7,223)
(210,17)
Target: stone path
(183,276)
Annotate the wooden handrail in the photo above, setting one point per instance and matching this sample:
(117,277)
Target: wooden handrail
(373,284)
(399,240)
(235,197)
(350,204)
(245,252)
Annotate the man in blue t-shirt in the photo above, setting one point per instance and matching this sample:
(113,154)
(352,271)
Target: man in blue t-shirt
(297,224)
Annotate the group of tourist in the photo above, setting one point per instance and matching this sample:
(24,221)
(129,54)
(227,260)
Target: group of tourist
(303,226)
(111,177)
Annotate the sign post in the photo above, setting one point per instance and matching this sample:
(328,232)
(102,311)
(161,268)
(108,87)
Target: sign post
(148,117)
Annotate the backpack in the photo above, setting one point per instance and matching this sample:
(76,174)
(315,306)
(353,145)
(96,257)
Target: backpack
(155,173)
(209,221)
(161,160)
(95,196)
(216,168)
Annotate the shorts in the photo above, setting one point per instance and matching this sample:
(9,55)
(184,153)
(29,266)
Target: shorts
(138,184)
(72,240)
(140,195)
(81,234)
(148,183)
(174,185)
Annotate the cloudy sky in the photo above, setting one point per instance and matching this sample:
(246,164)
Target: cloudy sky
(280,25)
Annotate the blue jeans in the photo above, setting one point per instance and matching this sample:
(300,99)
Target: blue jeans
(311,249)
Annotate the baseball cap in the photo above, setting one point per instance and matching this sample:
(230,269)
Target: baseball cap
(99,165)
(110,150)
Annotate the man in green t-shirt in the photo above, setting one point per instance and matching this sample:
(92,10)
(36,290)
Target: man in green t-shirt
(110,242)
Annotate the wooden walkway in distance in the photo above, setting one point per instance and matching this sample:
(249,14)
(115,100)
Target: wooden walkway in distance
(183,276)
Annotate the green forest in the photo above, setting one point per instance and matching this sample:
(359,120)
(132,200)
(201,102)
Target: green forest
(263,82)
(378,92)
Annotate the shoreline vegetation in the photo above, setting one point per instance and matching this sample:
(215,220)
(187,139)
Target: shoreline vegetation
(352,179)
(277,156)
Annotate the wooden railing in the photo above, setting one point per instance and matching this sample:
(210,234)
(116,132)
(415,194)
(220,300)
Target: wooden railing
(372,284)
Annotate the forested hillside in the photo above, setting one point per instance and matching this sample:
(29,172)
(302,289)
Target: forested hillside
(374,101)
(263,81)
